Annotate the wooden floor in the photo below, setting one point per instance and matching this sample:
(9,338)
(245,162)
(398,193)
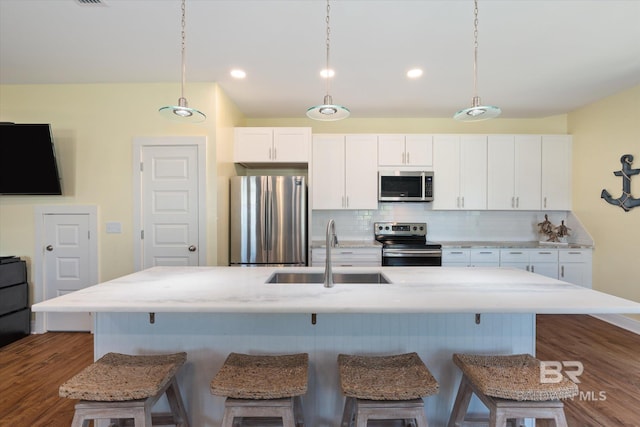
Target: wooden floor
(32,369)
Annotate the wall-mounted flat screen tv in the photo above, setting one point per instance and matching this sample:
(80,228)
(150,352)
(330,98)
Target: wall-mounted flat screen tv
(28,160)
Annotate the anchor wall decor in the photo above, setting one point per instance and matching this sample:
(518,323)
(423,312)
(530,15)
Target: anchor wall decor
(626,201)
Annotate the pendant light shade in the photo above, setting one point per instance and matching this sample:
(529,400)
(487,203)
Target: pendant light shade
(328,111)
(477,112)
(182,112)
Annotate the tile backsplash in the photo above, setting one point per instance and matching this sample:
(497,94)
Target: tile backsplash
(443,225)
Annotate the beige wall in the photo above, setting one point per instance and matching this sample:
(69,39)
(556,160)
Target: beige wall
(555,124)
(227,117)
(93,128)
(602,133)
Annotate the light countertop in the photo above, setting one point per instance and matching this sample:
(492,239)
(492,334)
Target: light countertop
(413,290)
(348,244)
(508,245)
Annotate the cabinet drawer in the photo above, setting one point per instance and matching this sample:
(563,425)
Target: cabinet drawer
(455,255)
(576,255)
(484,255)
(13,273)
(544,255)
(15,326)
(13,298)
(514,255)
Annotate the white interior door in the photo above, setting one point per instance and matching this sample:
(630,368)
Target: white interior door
(170,205)
(67,266)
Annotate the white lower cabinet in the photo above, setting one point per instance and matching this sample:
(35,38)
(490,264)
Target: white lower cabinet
(541,261)
(576,266)
(348,257)
(471,257)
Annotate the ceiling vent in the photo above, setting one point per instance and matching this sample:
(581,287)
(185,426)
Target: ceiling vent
(91,2)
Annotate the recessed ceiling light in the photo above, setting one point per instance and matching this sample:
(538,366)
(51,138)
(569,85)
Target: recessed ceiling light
(238,74)
(414,73)
(327,73)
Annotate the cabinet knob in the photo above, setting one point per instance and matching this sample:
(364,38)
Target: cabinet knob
(49,248)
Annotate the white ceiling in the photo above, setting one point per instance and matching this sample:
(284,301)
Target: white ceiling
(536,57)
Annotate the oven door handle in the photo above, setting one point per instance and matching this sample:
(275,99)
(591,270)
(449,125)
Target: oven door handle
(411,252)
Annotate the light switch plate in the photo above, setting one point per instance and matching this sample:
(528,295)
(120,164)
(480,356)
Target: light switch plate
(114,227)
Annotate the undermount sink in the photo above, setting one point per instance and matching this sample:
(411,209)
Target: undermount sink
(294,277)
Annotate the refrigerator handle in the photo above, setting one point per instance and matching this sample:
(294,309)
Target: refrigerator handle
(267,219)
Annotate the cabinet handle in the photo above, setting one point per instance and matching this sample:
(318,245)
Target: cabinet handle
(404,158)
(270,154)
(513,202)
(545,202)
(347,201)
(574,253)
(486,252)
(515,253)
(533,268)
(544,253)
(275,153)
(562,271)
(518,202)
(458,202)
(408,159)
(528,268)
(463,202)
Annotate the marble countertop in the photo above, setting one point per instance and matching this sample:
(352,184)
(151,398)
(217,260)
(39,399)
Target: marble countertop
(348,244)
(413,290)
(508,245)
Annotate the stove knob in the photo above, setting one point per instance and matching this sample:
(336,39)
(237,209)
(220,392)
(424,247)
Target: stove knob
(379,227)
(387,227)
(421,228)
(415,228)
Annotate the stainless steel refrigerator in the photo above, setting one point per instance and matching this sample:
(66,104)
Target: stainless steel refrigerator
(268,220)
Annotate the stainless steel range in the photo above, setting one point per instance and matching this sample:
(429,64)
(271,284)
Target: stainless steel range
(404,244)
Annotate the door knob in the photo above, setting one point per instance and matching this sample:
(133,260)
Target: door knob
(49,248)
(192,248)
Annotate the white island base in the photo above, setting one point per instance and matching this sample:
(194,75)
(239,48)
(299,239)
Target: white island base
(209,337)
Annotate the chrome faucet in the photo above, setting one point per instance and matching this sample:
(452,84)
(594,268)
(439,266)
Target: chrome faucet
(331,241)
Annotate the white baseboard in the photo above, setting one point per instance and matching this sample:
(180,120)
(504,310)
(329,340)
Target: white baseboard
(620,321)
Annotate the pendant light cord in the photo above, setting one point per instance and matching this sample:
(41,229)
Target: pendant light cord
(328,42)
(184,36)
(475,50)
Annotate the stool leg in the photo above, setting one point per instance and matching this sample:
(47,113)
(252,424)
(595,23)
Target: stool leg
(298,413)
(177,406)
(461,403)
(349,412)
(497,418)
(79,421)
(142,418)
(421,420)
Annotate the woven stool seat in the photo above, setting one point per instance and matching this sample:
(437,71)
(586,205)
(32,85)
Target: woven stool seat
(384,388)
(257,386)
(510,386)
(515,377)
(397,377)
(119,377)
(245,376)
(122,386)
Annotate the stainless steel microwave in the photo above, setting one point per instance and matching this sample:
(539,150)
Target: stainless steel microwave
(405,186)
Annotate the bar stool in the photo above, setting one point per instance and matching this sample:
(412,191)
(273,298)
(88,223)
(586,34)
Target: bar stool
(262,386)
(121,386)
(510,387)
(384,388)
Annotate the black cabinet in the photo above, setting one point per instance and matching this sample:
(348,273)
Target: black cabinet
(15,315)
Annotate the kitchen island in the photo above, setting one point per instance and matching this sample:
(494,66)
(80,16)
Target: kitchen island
(211,311)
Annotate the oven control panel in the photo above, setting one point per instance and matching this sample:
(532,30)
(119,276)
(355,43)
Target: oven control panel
(400,229)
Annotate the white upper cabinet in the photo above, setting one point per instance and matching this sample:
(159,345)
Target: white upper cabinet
(344,172)
(514,172)
(460,172)
(271,145)
(556,172)
(415,151)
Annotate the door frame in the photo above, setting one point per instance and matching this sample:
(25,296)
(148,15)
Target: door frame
(37,276)
(139,143)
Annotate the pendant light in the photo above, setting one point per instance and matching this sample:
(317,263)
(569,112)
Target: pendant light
(328,111)
(477,111)
(182,112)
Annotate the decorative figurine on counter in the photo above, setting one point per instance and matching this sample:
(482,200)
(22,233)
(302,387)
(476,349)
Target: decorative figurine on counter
(626,201)
(554,234)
